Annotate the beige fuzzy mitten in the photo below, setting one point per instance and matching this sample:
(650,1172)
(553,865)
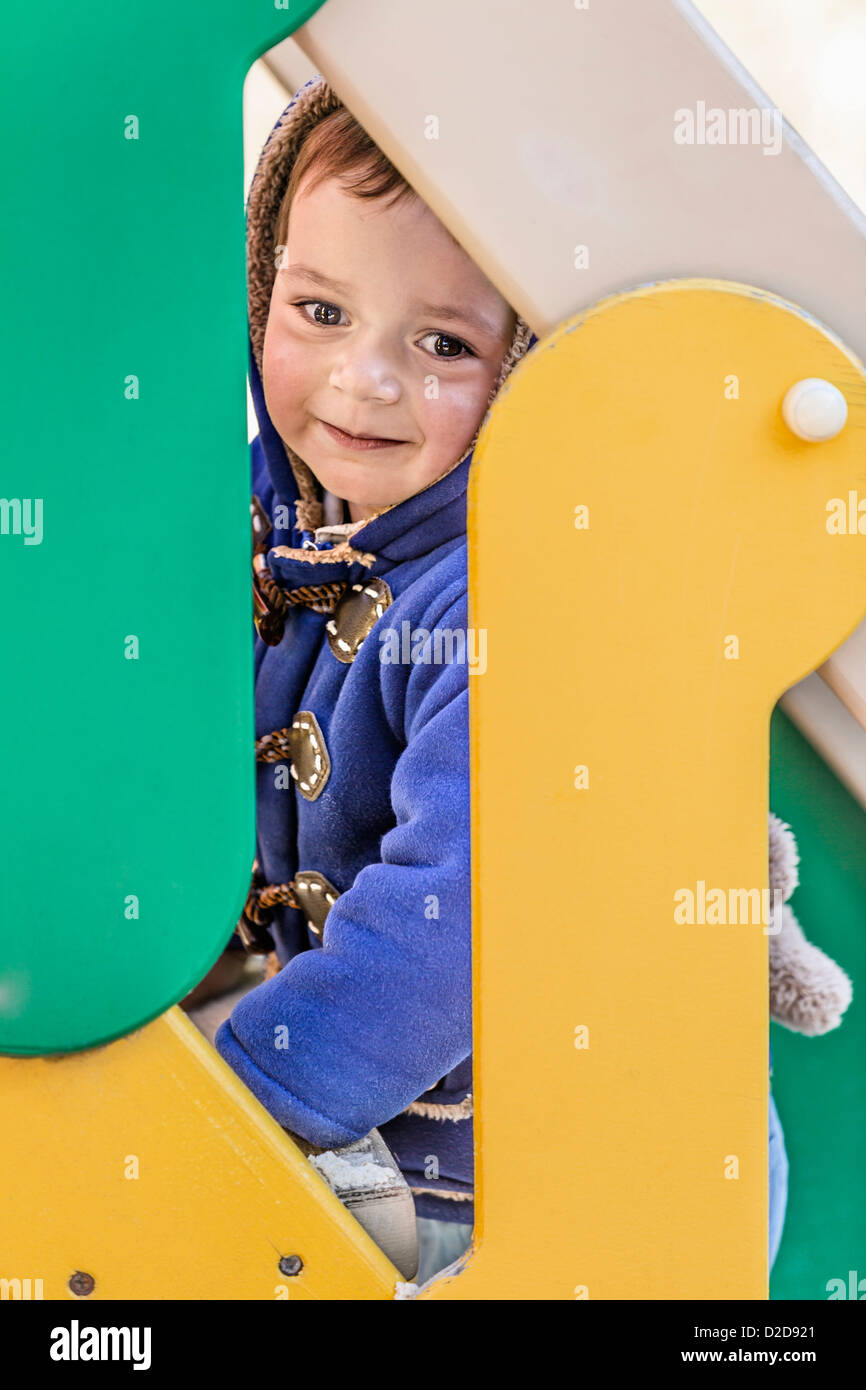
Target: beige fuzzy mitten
(809,992)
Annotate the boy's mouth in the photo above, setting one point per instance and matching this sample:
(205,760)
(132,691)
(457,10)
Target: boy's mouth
(359,441)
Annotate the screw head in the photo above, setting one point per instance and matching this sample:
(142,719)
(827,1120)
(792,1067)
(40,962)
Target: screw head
(82,1284)
(814,409)
(291,1264)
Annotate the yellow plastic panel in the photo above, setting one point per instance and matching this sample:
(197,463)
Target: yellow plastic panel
(149,1166)
(629,1160)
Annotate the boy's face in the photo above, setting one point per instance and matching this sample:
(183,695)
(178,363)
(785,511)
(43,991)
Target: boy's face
(369,355)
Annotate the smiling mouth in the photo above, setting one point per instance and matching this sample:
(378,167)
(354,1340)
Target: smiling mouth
(360,441)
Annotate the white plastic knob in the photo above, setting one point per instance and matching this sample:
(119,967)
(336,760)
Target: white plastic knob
(814,409)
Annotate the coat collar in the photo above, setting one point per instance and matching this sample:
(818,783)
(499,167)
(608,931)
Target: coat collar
(407,531)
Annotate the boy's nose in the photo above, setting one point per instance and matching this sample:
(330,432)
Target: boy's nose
(366,375)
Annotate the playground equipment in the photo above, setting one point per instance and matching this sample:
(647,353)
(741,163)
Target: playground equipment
(678,533)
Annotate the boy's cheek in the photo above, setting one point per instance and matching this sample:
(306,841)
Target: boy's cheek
(452,420)
(283,378)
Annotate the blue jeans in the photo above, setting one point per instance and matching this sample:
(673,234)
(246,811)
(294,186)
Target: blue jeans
(440,1242)
(778,1164)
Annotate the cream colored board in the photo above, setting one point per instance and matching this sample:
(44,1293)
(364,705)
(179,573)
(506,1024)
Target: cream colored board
(845,671)
(833,732)
(564,136)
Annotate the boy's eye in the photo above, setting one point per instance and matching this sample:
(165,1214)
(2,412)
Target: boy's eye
(328,316)
(321,311)
(450,343)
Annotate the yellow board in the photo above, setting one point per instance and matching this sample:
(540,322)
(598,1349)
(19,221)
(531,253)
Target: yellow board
(629,1161)
(635,652)
(148,1166)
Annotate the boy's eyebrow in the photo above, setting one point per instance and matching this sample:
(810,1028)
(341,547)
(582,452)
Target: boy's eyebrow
(467,315)
(440,311)
(336,286)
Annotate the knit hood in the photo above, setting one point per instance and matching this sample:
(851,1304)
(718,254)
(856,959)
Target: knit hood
(292,480)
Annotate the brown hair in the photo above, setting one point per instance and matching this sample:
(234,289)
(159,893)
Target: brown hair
(338,147)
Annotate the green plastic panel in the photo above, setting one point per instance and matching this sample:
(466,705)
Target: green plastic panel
(127,777)
(819,1084)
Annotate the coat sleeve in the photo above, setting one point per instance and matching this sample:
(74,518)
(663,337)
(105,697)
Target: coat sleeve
(346,1036)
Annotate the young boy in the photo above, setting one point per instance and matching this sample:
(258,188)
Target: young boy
(376,347)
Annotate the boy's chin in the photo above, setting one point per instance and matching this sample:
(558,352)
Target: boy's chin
(370,484)
(346,483)
(366,506)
